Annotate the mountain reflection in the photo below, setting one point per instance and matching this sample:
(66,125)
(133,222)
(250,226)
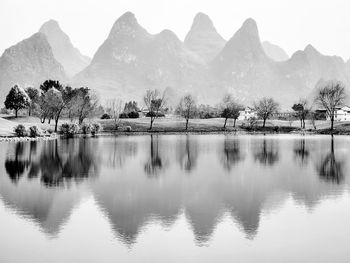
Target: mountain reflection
(131,192)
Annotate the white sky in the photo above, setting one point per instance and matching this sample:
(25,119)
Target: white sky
(292,24)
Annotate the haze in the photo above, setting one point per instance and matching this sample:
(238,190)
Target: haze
(290,24)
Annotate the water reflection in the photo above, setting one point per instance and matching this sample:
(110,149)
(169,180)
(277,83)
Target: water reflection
(187,153)
(132,194)
(330,167)
(231,153)
(266,152)
(301,152)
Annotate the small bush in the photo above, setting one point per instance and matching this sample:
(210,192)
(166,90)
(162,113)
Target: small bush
(34,132)
(20,130)
(50,131)
(153,114)
(86,128)
(128,129)
(133,115)
(69,129)
(123,115)
(96,127)
(106,116)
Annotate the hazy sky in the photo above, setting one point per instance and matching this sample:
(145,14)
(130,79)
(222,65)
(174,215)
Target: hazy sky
(291,24)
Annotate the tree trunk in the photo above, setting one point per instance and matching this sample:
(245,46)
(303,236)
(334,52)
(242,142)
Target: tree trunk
(151,125)
(186,124)
(49,120)
(234,123)
(16,112)
(56,123)
(264,123)
(29,111)
(332,121)
(301,123)
(225,123)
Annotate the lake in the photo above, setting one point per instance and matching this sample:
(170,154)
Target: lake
(176,198)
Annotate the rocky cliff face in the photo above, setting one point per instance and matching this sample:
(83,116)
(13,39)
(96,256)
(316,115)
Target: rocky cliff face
(131,60)
(64,51)
(203,39)
(274,52)
(28,63)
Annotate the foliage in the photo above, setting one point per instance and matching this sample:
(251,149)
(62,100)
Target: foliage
(208,112)
(86,128)
(230,109)
(34,131)
(265,108)
(17,99)
(302,110)
(128,129)
(331,96)
(133,115)
(123,115)
(114,108)
(69,129)
(20,130)
(96,128)
(105,116)
(131,106)
(34,96)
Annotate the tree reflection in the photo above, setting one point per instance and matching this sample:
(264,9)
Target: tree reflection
(187,153)
(301,153)
(331,169)
(121,150)
(232,153)
(155,164)
(54,167)
(267,152)
(15,167)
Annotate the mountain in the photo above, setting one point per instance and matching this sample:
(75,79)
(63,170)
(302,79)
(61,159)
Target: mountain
(64,51)
(203,38)
(28,63)
(132,60)
(274,52)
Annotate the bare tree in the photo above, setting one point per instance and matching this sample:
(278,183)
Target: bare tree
(155,103)
(265,108)
(331,96)
(302,110)
(114,108)
(187,108)
(230,109)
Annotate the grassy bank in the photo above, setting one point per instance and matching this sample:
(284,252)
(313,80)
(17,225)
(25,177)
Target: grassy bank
(173,124)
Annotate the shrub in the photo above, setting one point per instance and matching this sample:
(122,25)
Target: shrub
(153,114)
(20,130)
(34,132)
(123,115)
(86,128)
(69,129)
(106,116)
(96,127)
(133,115)
(128,129)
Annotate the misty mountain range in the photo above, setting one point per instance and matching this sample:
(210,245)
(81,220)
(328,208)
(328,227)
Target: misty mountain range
(132,60)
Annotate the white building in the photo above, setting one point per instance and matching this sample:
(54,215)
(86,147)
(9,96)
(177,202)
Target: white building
(341,114)
(246,114)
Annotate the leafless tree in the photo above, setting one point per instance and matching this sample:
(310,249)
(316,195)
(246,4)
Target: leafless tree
(331,96)
(114,108)
(187,108)
(155,103)
(265,108)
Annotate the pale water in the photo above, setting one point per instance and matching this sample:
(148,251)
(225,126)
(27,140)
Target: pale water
(194,198)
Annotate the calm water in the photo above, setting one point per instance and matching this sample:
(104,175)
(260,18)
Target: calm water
(204,198)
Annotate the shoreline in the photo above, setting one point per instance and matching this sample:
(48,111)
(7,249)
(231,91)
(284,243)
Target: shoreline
(13,138)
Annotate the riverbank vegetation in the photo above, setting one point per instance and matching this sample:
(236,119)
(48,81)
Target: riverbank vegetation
(55,108)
